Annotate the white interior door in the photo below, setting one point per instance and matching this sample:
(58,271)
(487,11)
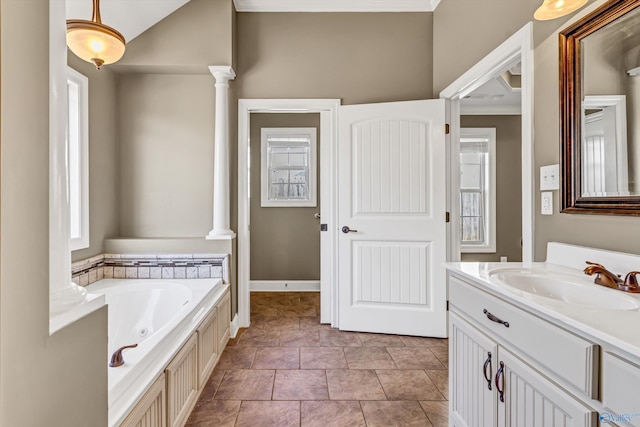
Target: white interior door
(392,195)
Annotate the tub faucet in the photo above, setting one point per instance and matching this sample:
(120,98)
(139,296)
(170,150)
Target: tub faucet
(611,280)
(117,359)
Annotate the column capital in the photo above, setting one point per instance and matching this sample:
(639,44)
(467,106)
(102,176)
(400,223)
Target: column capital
(222,72)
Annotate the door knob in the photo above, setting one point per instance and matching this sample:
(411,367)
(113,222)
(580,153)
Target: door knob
(346,230)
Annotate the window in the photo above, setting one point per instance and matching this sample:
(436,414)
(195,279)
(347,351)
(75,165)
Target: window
(288,167)
(477,190)
(78,158)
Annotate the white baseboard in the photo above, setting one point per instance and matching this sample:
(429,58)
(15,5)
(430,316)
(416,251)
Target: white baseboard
(284,285)
(233,329)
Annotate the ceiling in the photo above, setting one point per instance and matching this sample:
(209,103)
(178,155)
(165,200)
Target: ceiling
(133,17)
(500,95)
(129,17)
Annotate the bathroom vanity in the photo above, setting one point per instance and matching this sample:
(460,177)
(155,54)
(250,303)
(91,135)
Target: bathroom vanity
(539,344)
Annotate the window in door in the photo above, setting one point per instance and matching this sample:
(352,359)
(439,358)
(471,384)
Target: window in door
(77,142)
(478,190)
(288,167)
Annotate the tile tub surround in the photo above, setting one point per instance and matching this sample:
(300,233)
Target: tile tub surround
(150,266)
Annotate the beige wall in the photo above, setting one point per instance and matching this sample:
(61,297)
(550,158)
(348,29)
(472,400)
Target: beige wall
(456,31)
(103,202)
(358,57)
(165,154)
(602,231)
(165,120)
(605,60)
(465,31)
(166,113)
(45,380)
(508,186)
(293,231)
(195,36)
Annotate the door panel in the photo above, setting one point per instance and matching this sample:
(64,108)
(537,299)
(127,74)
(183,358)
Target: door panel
(392,197)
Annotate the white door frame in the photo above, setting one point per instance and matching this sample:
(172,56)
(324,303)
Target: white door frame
(519,45)
(328,109)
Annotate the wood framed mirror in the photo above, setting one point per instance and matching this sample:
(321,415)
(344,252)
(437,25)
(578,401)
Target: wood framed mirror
(600,111)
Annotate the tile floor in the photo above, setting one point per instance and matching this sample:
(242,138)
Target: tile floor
(287,369)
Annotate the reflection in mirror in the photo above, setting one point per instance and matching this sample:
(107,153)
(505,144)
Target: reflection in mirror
(604,147)
(600,99)
(607,57)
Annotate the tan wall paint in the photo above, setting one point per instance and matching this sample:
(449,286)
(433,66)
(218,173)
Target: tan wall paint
(165,154)
(465,31)
(604,58)
(358,57)
(45,381)
(103,201)
(508,186)
(195,36)
(166,121)
(601,231)
(293,231)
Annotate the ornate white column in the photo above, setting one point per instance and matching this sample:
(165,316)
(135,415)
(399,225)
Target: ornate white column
(221,200)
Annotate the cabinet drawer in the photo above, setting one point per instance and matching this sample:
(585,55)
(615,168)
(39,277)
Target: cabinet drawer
(565,355)
(620,387)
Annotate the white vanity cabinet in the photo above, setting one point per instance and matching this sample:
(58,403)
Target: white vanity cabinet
(502,360)
(473,400)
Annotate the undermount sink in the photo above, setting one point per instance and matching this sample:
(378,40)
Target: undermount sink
(562,288)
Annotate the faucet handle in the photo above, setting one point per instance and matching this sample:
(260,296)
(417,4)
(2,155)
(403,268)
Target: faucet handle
(117,359)
(595,264)
(631,282)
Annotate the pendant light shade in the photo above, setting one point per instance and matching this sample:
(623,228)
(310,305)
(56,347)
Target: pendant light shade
(93,41)
(552,9)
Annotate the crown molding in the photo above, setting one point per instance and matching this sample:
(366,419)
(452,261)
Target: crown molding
(336,5)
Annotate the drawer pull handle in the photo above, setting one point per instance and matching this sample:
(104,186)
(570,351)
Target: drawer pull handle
(484,370)
(494,318)
(500,374)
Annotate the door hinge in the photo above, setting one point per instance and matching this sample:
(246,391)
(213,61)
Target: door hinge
(447,305)
(446,128)
(446,217)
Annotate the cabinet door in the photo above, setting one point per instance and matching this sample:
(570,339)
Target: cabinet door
(182,383)
(150,410)
(472,367)
(207,347)
(620,389)
(224,319)
(531,400)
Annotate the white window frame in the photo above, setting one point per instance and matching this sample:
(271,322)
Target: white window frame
(293,132)
(78,158)
(489,244)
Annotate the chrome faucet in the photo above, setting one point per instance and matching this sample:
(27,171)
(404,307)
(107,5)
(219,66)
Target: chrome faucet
(611,280)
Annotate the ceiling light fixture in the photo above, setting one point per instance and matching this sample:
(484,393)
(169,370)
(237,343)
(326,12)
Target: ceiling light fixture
(552,9)
(93,41)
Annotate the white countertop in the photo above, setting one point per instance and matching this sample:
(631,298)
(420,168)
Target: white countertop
(616,328)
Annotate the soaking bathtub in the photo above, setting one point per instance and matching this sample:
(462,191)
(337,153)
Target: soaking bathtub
(159,316)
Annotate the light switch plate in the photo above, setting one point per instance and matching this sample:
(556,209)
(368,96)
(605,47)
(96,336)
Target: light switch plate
(547,203)
(550,177)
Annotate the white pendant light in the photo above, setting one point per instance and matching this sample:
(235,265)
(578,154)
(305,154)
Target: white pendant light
(93,41)
(552,9)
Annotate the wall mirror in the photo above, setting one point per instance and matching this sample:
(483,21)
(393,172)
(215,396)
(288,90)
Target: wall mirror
(600,111)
